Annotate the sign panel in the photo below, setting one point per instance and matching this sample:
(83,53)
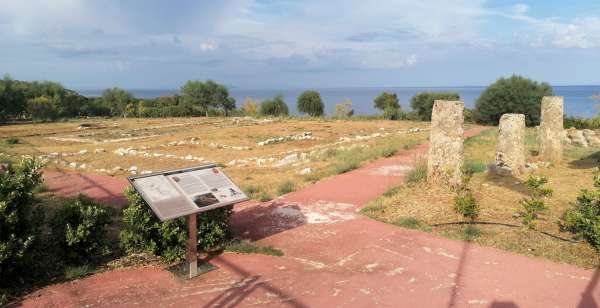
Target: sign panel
(181,192)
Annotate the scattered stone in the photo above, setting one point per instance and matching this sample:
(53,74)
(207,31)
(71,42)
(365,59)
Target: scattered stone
(510,150)
(133,168)
(446,150)
(551,129)
(305,171)
(303,136)
(290,159)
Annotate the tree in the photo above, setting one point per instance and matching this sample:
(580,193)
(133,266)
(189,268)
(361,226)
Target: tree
(42,108)
(205,95)
(274,107)
(117,99)
(12,98)
(515,94)
(310,102)
(250,106)
(387,100)
(422,103)
(344,109)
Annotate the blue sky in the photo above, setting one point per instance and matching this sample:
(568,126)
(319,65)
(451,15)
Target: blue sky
(299,44)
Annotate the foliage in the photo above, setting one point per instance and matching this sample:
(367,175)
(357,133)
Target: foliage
(274,107)
(117,100)
(42,108)
(143,232)
(18,222)
(310,102)
(264,197)
(12,98)
(79,228)
(386,100)
(582,123)
(344,109)
(466,205)
(198,95)
(515,94)
(250,107)
(422,102)
(535,205)
(12,140)
(392,113)
(583,219)
(285,187)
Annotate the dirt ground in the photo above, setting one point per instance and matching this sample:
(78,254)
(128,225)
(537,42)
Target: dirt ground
(259,154)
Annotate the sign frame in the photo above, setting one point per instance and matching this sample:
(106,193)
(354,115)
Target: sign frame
(132,180)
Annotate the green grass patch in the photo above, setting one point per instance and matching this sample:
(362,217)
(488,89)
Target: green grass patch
(410,223)
(249,247)
(392,191)
(411,143)
(264,197)
(417,175)
(473,166)
(487,137)
(285,187)
(13,140)
(76,272)
(252,191)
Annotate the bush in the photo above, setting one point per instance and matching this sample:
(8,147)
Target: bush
(417,175)
(18,220)
(422,103)
(250,107)
(274,107)
(581,123)
(79,228)
(144,232)
(511,95)
(310,102)
(534,206)
(466,205)
(584,219)
(386,100)
(344,109)
(12,140)
(392,113)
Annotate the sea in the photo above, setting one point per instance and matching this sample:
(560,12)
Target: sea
(578,99)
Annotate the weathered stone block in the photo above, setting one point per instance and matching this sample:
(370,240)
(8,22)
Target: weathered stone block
(551,133)
(510,150)
(446,149)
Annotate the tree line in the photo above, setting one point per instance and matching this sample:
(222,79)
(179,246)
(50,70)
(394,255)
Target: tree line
(48,101)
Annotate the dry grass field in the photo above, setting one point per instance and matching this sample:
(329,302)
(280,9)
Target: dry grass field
(266,156)
(421,205)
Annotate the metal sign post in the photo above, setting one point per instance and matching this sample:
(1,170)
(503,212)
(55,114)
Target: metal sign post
(186,193)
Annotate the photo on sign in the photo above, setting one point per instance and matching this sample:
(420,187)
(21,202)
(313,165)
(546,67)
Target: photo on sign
(205,200)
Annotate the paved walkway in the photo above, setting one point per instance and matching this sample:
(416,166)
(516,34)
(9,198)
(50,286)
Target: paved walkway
(335,257)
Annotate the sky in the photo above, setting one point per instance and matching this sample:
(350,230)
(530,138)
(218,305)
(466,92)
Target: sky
(267,44)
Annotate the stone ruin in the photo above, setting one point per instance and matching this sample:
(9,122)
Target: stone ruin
(551,131)
(582,137)
(446,149)
(510,150)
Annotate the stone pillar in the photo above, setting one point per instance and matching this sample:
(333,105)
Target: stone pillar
(551,132)
(510,150)
(446,149)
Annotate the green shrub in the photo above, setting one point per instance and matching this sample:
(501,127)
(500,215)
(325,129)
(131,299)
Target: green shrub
(581,123)
(534,206)
(19,219)
(583,219)
(392,113)
(285,187)
(13,140)
(466,205)
(79,228)
(310,102)
(511,95)
(386,100)
(142,231)
(422,103)
(274,107)
(76,272)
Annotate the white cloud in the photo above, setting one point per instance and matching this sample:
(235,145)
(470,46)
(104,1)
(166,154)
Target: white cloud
(208,46)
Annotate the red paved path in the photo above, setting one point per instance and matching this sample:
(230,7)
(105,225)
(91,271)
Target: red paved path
(335,257)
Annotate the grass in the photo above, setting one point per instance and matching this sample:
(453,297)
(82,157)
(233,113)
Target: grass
(264,197)
(417,175)
(251,248)
(420,205)
(285,188)
(12,140)
(76,272)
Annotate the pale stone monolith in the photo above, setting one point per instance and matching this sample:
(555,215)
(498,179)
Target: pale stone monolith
(446,149)
(510,150)
(551,132)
